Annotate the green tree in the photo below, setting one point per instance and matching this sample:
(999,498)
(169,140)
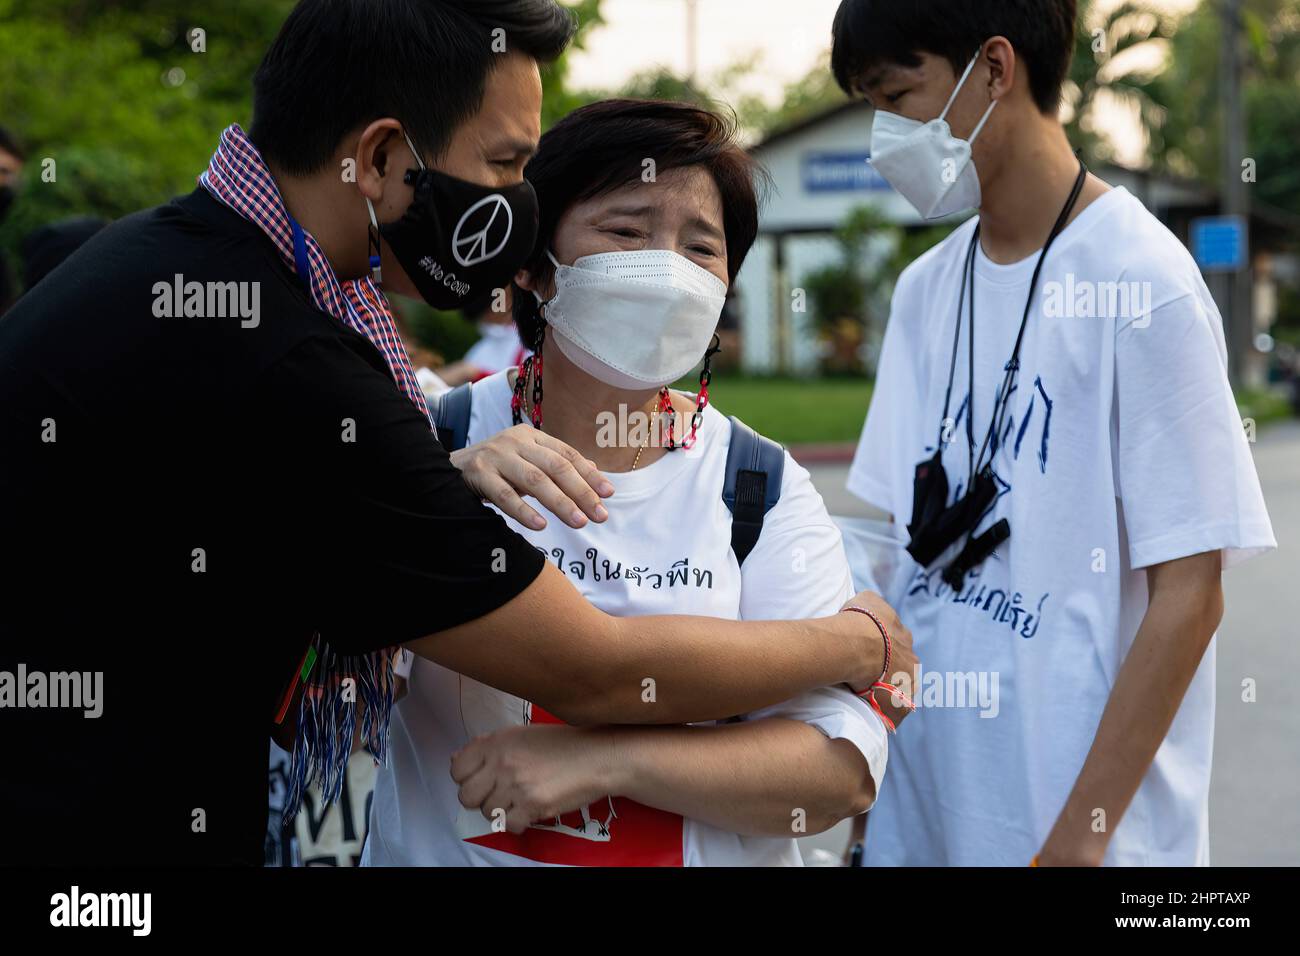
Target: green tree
(661,83)
(1188,140)
(723,90)
(1113,54)
(810,95)
(118,108)
(850,298)
(558,98)
(116,95)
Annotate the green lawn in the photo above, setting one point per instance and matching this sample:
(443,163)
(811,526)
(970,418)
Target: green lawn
(1263,405)
(809,411)
(794,411)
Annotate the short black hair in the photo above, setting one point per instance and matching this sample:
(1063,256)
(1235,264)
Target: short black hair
(600,147)
(339,64)
(9,144)
(870,32)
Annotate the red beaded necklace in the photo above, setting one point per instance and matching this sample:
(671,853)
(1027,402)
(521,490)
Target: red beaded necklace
(532,369)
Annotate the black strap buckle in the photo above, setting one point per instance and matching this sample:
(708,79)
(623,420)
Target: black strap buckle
(975,553)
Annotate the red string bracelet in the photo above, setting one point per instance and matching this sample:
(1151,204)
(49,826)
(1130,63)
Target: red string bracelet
(884,635)
(881,683)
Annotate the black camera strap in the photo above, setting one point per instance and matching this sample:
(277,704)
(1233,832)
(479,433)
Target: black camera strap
(967,276)
(935,527)
(1012,368)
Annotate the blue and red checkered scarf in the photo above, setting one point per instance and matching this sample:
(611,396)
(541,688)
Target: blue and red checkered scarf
(336,684)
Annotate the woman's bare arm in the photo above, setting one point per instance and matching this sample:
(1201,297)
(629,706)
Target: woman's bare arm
(773,777)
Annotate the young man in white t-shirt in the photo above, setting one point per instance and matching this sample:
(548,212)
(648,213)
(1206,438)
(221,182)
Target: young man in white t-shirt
(1071,512)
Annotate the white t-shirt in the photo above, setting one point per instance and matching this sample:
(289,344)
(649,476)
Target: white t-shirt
(1123,449)
(665,549)
(430,382)
(498,347)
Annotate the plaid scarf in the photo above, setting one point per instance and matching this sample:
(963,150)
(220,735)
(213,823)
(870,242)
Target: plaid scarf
(238,177)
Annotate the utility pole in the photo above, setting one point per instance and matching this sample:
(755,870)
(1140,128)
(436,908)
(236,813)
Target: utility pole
(692,39)
(1235,199)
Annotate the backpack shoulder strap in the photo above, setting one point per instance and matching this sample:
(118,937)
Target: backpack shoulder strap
(450,412)
(752,486)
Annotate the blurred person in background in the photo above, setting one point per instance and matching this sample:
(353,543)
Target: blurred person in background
(12,158)
(44,249)
(499,346)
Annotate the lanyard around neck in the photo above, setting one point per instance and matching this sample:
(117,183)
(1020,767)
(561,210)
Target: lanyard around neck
(300,253)
(967,299)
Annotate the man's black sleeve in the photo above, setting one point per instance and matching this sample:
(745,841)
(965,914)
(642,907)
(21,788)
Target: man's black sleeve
(393,544)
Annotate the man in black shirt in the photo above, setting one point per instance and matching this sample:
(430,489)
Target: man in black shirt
(190,500)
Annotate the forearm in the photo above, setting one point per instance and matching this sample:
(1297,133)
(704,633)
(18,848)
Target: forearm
(551,647)
(772,777)
(675,669)
(1151,684)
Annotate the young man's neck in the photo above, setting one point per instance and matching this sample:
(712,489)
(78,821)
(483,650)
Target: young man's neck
(320,203)
(1023,200)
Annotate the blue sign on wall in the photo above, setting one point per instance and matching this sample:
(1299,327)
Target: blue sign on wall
(1220,243)
(840,172)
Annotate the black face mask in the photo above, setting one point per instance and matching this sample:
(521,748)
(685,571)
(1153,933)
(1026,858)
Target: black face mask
(458,241)
(7,195)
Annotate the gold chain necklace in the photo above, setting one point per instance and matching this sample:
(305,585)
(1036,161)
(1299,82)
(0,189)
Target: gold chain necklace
(654,417)
(637,460)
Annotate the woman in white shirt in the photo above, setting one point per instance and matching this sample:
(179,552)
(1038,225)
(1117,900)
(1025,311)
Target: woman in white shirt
(649,209)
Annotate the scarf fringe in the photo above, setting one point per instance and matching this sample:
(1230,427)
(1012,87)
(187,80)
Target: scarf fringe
(327,720)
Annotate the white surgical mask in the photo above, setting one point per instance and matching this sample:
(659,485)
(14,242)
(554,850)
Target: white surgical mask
(636,320)
(930,167)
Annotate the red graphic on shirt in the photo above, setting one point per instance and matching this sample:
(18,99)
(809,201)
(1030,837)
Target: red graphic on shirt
(611,832)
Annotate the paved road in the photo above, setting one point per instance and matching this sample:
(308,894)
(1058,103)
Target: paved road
(1255,789)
